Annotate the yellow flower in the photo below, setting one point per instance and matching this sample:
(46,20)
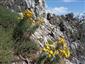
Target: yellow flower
(45,50)
(47,46)
(61,52)
(49,55)
(28,13)
(51,52)
(67,53)
(55,53)
(64,52)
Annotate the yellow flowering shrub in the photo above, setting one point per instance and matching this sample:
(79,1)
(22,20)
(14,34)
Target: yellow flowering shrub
(48,50)
(62,51)
(29,14)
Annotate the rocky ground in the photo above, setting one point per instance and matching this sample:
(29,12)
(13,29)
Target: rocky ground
(53,27)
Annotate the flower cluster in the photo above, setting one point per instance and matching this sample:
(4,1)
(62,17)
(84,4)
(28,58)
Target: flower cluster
(61,49)
(27,13)
(49,49)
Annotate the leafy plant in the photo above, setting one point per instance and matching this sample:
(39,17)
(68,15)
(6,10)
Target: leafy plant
(54,53)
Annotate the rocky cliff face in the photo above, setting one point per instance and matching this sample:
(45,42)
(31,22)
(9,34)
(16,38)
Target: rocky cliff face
(53,28)
(37,6)
(58,26)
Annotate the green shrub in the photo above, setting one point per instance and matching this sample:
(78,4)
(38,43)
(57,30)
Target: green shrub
(21,36)
(8,20)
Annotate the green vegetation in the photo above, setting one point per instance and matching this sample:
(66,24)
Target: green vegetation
(53,53)
(13,37)
(5,46)
(8,20)
(21,36)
